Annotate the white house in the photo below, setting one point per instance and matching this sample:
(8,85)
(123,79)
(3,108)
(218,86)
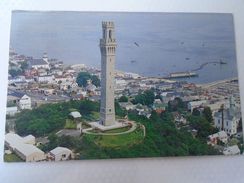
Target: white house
(24,102)
(221,136)
(120,84)
(39,63)
(195,104)
(60,154)
(46,79)
(232,150)
(23,147)
(127,105)
(75,114)
(78,66)
(11,111)
(29,139)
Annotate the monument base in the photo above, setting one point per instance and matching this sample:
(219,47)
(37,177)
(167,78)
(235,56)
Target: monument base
(101,127)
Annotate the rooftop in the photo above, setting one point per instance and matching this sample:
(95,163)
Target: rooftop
(37,62)
(59,150)
(17,142)
(75,114)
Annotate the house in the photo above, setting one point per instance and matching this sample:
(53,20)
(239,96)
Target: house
(159,107)
(60,154)
(127,105)
(120,85)
(66,85)
(29,139)
(195,104)
(75,115)
(90,87)
(38,63)
(231,150)
(45,79)
(11,111)
(178,118)
(219,136)
(23,147)
(57,72)
(22,100)
(78,67)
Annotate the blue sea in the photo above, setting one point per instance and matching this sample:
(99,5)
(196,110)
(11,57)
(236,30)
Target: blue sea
(150,44)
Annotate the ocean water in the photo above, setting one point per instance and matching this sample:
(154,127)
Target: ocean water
(165,42)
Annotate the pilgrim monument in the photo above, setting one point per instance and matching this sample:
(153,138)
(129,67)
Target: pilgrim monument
(107,48)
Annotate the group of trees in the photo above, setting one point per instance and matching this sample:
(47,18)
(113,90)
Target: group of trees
(83,77)
(63,141)
(145,98)
(50,117)
(17,72)
(123,99)
(176,105)
(162,139)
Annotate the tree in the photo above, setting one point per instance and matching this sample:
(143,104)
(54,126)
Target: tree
(145,98)
(83,77)
(95,80)
(49,118)
(207,113)
(14,72)
(175,104)
(196,112)
(123,99)
(158,97)
(119,111)
(24,65)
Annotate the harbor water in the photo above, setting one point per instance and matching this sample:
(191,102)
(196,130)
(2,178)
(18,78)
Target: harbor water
(150,44)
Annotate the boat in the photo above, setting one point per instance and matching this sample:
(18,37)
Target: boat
(222,62)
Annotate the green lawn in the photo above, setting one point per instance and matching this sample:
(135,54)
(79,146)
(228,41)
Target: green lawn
(117,141)
(94,116)
(12,158)
(118,130)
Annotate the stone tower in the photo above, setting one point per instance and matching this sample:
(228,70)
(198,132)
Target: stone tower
(107,48)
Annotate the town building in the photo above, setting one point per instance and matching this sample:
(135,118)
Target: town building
(228,119)
(22,100)
(195,104)
(11,111)
(23,147)
(45,79)
(75,115)
(219,136)
(60,154)
(38,63)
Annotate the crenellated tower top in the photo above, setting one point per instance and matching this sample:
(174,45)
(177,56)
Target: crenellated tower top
(108,41)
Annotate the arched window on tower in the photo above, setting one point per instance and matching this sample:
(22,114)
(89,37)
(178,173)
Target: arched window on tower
(103,33)
(110,34)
